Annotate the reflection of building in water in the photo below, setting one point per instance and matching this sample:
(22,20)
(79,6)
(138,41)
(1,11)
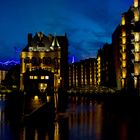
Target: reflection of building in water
(56,131)
(2,75)
(48,53)
(87,120)
(98,121)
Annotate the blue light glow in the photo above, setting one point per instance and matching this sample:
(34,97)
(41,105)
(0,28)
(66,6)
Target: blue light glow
(10,62)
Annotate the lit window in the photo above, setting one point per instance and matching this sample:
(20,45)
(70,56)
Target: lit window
(42,77)
(123,48)
(137,70)
(41,85)
(52,70)
(137,38)
(46,77)
(122,83)
(123,20)
(124,74)
(58,81)
(123,63)
(31,77)
(123,40)
(99,59)
(137,47)
(136,15)
(123,33)
(124,56)
(135,3)
(137,57)
(35,77)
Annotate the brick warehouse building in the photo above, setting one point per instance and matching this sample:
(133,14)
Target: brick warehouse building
(82,73)
(49,55)
(126,45)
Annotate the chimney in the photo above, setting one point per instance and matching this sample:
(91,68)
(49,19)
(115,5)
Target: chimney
(29,38)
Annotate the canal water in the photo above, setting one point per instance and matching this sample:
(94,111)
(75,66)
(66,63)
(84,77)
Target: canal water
(85,119)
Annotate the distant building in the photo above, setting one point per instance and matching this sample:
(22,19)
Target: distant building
(2,75)
(82,73)
(47,55)
(105,67)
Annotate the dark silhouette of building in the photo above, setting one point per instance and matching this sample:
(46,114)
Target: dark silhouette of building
(116,46)
(39,81)
(105,67)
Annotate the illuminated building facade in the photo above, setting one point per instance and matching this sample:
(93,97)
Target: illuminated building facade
(130,48)
(105,67)
(49,56)
(126,47)
(83,73)
(116,46)
(136,41)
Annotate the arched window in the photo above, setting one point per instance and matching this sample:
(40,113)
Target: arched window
(56,64)
(27,60)
(48,60)
(44,60)
(34,61)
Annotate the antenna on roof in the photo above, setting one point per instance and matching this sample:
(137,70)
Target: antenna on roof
(73,60)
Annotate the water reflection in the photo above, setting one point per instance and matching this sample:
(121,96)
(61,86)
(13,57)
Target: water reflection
(85,119)
(4,125)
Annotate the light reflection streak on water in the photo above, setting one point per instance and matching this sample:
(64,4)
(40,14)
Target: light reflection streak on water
(90,118)
(4,126)
(98,121)
(56,131)
(86,121)
(123,131)
(36,135)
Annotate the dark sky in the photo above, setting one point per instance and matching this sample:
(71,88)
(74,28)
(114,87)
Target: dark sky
(88,23)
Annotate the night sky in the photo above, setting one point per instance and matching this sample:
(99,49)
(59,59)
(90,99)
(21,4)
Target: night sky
(88,23)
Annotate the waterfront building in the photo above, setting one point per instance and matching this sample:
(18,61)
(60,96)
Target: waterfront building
(116,46)
(82,73)
(126,49)
(43,58)
(2,75)
(130,47)
(105,67)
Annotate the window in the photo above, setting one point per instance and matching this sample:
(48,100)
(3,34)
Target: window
(137,38)
(42,77)
(136,15)
(123,40)
(46,77)
(124,74)
(35,77)
(123,20)
(137,47)
(135,3)
(123,56)
(123,63)
(123,33)
(31,77)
